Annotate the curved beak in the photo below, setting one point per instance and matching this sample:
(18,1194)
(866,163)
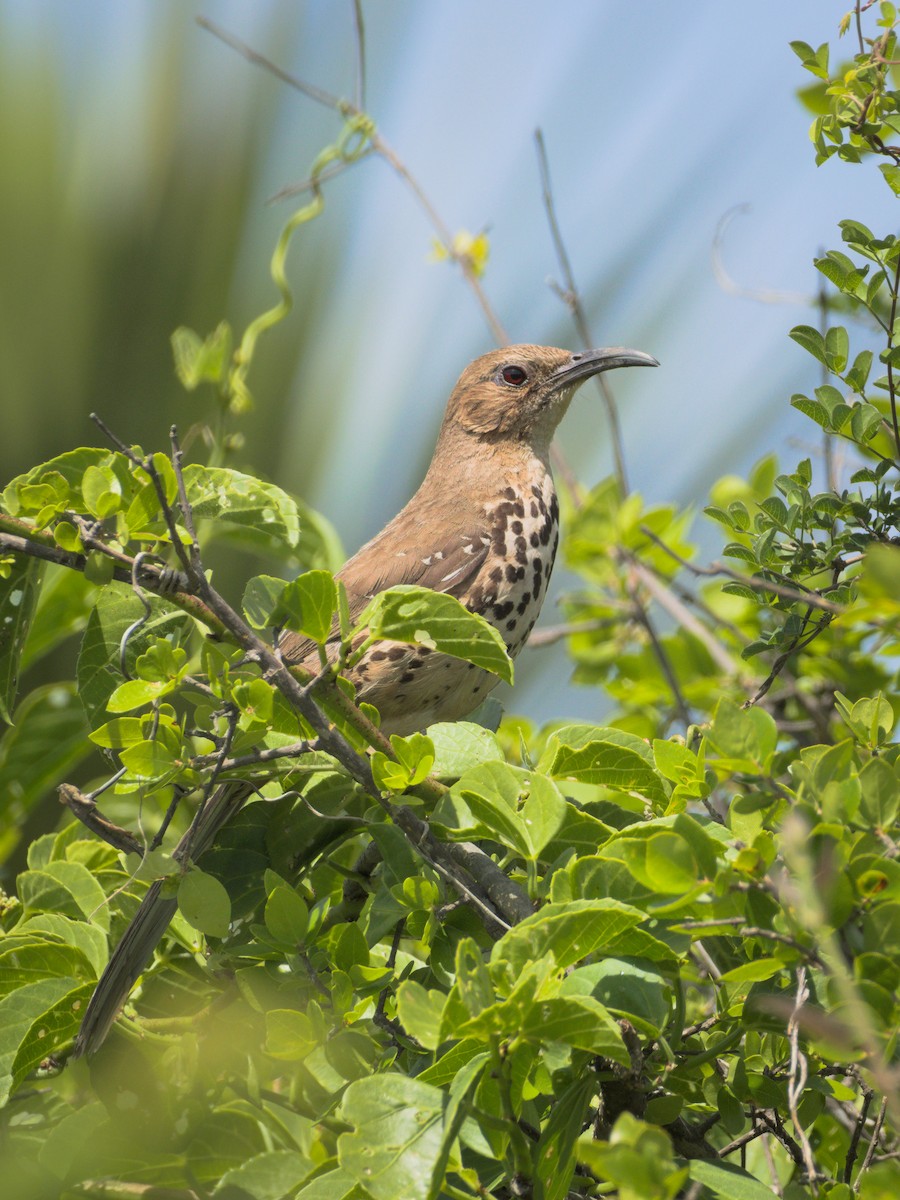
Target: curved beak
(591,362)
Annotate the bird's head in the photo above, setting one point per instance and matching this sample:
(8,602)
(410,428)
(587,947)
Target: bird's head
(522,392)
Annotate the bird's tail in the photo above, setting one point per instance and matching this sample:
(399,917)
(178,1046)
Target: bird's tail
(150,922)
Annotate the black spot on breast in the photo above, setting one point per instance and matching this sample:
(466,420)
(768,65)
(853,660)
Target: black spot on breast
(416,664)
(378,655)
(545,533)
(523,603)
(407,677)
(554,508)
(519,509)
(471,666)
(510,625)
(534,539)
(395,654)
(534,509)
(521,550)
(503,610)
(516,527)
(496,575)
(510,493)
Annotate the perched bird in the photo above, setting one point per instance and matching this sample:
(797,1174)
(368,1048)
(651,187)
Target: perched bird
(484,527)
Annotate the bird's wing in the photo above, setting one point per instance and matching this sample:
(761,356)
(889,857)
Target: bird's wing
(447,568)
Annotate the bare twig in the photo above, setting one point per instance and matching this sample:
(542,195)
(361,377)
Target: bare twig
(572,299)
(85,809)
(659,651)
(359,32)
(757,582)
(873,1143)
(550,634)
(890,345)
(345,109)
(799,1074)
(665,597)
(858,1127)
(798,643)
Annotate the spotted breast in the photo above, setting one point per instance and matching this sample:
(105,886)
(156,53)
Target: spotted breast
(512,553)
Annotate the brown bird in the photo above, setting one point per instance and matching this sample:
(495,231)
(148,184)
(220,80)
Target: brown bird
(483,527)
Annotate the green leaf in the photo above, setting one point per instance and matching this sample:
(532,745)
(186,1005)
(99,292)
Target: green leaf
(837,348)
(38,752)
(102,491)
(459,746)
(286,916)
(19,590)
(116,610)
(811,340)
(611,757)
(632,988)
(36,1020)
(219,494)
(64,604)
(420,1012)
(810,408)
(271,1175)
(65,473)
(135,693)
(522,808)
(865,420)
(580,1022)
(728,1180)
(415,756)
(744,736)
(62,887)
(891,173)
(420,616)
(204,903)
(290,1035)
(570,932)
(397,1135)
(308,604)
(201,361)
(554,1155)
(261,600)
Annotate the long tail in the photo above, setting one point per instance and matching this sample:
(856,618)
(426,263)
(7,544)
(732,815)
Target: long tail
(149,924)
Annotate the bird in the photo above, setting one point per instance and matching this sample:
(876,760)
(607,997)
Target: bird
(483,527)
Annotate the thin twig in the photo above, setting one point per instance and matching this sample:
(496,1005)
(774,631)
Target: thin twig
(380,147)
(799,1075)
(873,1143)
(858,1127)
(798,643)
(573,301)
(85,809)
(359,37)
(550,634)
(890,345)
(757,582)
(659,651)
(258,757)
(676,609)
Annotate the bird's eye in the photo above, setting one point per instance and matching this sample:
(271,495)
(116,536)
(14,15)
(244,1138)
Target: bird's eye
(513,375)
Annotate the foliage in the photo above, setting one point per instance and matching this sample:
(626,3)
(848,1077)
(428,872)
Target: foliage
(656,957)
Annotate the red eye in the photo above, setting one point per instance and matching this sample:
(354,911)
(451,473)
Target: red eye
(514,375)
